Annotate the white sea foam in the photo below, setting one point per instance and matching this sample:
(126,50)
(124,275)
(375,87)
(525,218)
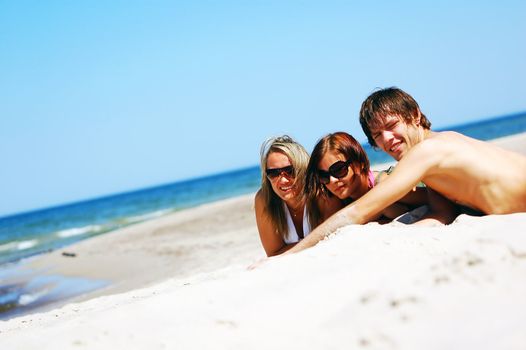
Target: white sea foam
(26,299)
(148,216)
(76,231)
(7,246)
(18,245)
(26,244)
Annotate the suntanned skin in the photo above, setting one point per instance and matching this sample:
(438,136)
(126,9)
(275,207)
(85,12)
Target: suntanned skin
(273,244)
(352,186)
(285,188)
(464,170)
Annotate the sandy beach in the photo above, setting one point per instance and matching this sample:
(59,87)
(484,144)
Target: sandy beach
(196,240)
(181,281)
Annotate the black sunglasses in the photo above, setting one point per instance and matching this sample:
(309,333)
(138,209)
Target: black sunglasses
(274,173)
(338,170)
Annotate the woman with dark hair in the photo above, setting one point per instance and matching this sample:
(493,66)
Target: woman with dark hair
(339,167)
(281,214)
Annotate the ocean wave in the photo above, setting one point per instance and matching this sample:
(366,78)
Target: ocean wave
(76,231)
(22,245)
(26,299)
(144,217)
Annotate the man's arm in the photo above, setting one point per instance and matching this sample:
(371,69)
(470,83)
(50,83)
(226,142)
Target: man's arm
(407,174)
(339,219)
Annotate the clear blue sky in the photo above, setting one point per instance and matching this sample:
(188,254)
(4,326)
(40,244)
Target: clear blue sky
(100,97)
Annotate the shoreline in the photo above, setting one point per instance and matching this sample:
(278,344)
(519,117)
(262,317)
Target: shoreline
(176,245)
(198,240)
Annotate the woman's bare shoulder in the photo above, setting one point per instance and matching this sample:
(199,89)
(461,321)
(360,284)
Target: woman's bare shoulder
(259,200)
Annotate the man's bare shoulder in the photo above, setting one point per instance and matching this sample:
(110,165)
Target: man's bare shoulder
(442,143)
(434,144)
(432,152)
(452,150)
(450,136)
(456,141)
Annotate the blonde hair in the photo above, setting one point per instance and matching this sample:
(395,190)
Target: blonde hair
(299,158)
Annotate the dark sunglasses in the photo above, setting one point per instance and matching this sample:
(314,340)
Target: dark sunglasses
(274,173)
(338,170)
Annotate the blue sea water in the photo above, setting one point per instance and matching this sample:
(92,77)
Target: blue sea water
(25,235)
(39,231)
(36,232)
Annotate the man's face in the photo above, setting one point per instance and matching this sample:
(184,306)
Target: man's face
(395,136)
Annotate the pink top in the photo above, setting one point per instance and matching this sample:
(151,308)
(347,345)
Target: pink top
(370,177)
(370,181)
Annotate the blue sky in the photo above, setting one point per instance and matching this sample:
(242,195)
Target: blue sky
(100,97)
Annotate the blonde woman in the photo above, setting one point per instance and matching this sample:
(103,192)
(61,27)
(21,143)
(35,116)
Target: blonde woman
(281,215)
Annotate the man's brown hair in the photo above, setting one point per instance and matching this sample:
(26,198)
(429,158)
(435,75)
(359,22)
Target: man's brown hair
(389,102)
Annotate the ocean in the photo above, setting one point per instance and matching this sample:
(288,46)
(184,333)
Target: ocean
(25,235)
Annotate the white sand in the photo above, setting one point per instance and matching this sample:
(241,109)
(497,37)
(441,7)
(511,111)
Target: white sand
(461,286)
(196,240)
(377,287)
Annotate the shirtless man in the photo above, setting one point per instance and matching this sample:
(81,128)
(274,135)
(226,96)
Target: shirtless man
(469,172)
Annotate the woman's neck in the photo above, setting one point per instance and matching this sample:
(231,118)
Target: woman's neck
(364,187)
(295,206)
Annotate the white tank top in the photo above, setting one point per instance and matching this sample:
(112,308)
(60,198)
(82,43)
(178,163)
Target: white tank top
(292,235)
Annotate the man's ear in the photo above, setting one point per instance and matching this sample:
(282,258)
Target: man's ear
(417,118)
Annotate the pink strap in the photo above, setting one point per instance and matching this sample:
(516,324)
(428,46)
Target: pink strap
(371,179)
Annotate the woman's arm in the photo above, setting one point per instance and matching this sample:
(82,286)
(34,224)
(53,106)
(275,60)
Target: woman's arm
(441,210)
(270,239)
(413,199)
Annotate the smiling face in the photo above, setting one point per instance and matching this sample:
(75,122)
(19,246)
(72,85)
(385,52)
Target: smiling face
(283,185)
(348,186)
(395,136)
(385,107)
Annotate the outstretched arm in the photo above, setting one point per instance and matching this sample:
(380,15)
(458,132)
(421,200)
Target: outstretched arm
(409,171)
(339,219)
